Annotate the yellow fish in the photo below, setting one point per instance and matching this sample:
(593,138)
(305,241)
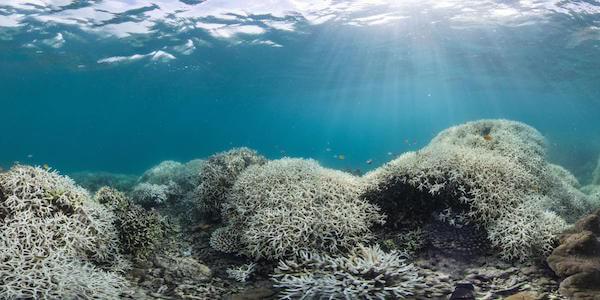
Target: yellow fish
(46,167)
(341,157)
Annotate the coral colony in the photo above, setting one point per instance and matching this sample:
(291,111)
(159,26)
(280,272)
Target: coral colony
(474,214)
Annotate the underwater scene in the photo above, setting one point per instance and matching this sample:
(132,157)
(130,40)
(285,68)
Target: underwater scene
(300,149)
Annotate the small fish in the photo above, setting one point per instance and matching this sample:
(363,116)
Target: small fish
(29,155)
(390,153)
(46,167)
(369,161)
(341,157)
(487,137)
(327,149)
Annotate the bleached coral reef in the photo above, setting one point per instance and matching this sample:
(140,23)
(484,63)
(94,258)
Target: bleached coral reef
(140,231)
(54,239)
(219,174)
(169,187)
(241,273)
(495,172)
(365,273)
(152,195)
(290,205)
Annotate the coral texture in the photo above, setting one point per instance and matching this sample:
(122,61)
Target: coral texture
(170,187)
(152,195)
(218,175)
(162,173)
(54,240)
(495,174)
(577,259)
(241,273)
(290,205)
(140,231)
(365,273)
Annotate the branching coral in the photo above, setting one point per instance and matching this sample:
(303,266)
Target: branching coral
(491,171)
(365,273)
(162,173)
(53,238)
(241,273)
(140,231)
(219,173)
(170,188)
(527,231)
(290,205)
(152,195)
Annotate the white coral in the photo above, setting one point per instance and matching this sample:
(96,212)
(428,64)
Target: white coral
(290,205)
(493,170)
(51,238)
(241,273)
(366,273)
(150,194)
(219,173)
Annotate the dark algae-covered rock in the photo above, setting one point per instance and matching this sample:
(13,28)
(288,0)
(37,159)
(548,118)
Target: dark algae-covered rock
(577,259)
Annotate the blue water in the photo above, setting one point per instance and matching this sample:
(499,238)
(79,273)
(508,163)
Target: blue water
(370,82)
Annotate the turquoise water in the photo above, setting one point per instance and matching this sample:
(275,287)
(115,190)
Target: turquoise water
(119,86)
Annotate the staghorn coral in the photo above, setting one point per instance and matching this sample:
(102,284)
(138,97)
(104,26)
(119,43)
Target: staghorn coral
(564,174)
(33,187)
(162,173)
(153,195)
(241,273)
(365,273)
(488,180)
(528,231)
(289,205)
(219,173)
(112,198)
(141,231)
(170,188)
(54,239)
(514,140)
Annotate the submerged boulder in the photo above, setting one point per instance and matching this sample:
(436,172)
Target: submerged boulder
(577,259)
